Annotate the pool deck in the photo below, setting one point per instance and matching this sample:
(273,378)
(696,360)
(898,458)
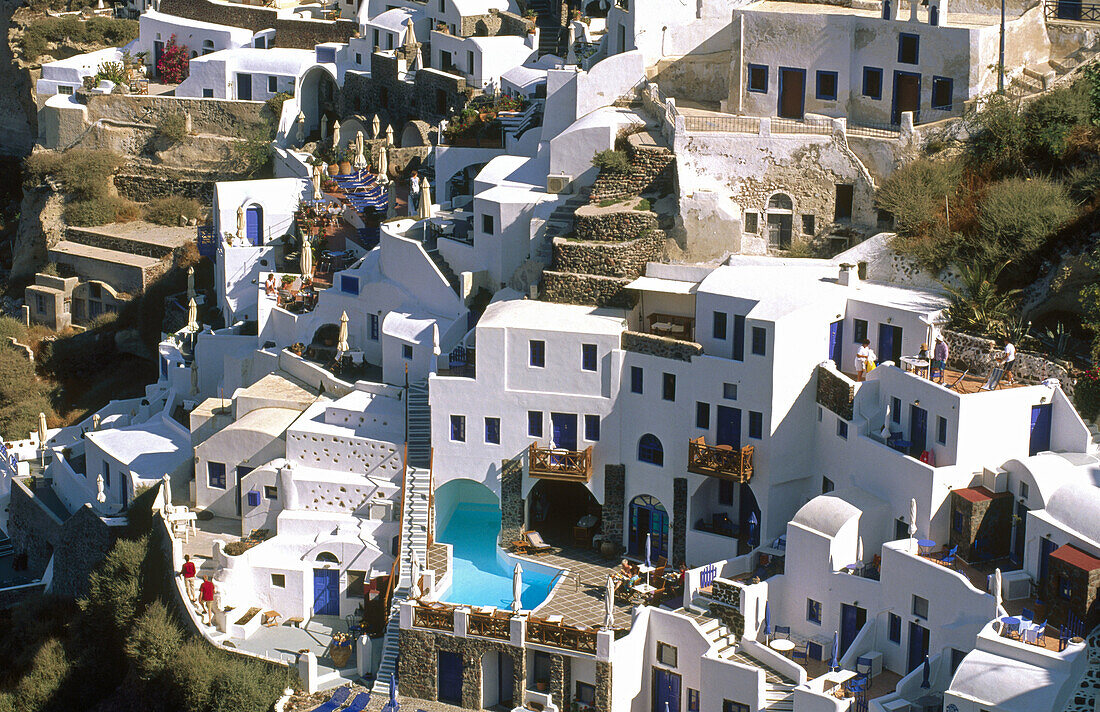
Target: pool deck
(579,597)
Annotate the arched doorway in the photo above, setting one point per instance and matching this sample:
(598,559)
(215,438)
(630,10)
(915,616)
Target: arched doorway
(254,224)
(317,97)
(780,218)
(648,519)
(326,585)
(497,676)
(564,513)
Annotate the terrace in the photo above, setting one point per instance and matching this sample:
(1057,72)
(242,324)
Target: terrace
(721,461)
(560,464)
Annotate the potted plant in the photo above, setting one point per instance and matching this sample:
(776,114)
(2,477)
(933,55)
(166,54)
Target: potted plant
(345,164)
(541,685)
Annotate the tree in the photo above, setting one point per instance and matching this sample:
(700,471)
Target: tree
(153,642)
(174,62)
(978,305)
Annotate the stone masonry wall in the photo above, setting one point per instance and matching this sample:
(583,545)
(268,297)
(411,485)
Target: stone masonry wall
(593,290)
(978,354)
(652,170)
(493,24)
(592,223)
(398,102)
(835,392)
(608,259)
(119,244)
(511,500)
(679,520)
(214,116)
(727,606)
(292,33)
(34,530)
(144,188)
(614,503)
(85,540)
(661,346)
(418,666)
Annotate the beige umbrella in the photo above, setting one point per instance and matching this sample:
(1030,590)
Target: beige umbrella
(913,518)
(376,126)
(101,495)
(317,183)
(336,134)
(301,122)
(240,222)
(859,550)
(360,159)
(997,589)
(517,588)
(190,282)
(383,163)
(306,262)
(342,339)
(95,421)
(570,53)
(389,135)
(425,210)
(410,36)
(192,315)
(41,430)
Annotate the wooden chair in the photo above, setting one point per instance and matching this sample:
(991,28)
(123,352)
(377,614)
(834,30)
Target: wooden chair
(536,544)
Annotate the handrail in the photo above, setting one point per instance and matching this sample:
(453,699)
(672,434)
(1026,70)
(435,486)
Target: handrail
(395,571)
(561,636)
(559,463)
(431,497)
(719,461)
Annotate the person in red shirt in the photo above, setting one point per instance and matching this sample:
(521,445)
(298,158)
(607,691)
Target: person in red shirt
(206,595)
(188,574)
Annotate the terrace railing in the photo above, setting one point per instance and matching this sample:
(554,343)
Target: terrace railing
(434,618)
(720,460)
(207,240)
(488,626)
(559,464)
(562,636)
(1075,11)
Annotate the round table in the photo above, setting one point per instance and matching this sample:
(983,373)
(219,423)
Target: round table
(926,545)
(781,645)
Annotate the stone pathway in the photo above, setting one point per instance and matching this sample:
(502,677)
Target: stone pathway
(579,598)
(1084,700)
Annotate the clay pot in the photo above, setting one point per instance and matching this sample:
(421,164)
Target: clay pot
(345,167)
(333,169)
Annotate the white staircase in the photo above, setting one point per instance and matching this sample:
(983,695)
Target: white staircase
(778,690)
(414,537)
(420,425)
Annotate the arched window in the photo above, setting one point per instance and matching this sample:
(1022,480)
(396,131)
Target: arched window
(780,201)
(327,557)
(650,450)
(207,46)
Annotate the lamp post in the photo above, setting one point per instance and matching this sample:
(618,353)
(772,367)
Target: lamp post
(1001,54)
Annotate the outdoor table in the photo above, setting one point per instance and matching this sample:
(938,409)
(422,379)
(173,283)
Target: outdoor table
(1010,621)
(853,568)
(925,546)
(644,590)
(782,645)
(916,365)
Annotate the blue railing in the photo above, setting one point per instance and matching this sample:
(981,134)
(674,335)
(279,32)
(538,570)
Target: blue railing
(707,576)
(8,463)
(207,240)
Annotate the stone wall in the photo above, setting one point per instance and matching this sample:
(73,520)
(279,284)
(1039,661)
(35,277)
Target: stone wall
(614,503)
(85,540)
(978,355)
(418,666)
(608,259)
(726,606)
(835,391)
(679,520)
(661,346)
(619,223)
(144,188)
(213,116)
(289,32)
(120,244)
(494,23)
(652,170)
(1084,588)
(986,526)
(511,500)
(33,528)
(397,102)
(593,290)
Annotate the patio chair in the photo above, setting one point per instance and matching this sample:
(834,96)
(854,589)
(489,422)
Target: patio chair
(339,697)
(1028,614)
(948,559)
(359,703)
(994,380)
(800,654)
(955,385)
(864,666)
(781,631)
(538,546)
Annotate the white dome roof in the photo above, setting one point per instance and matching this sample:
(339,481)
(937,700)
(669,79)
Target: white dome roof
(1077,506)
(826,513)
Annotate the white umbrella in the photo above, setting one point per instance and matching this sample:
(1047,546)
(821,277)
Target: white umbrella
(913,518)
(306,261)
(389,135)
(609,603)
(101,495)
(410,36)
(336,134)
(375,126)
(324,129)
(570,53)
(360,159)
(517,588)
(240,221)
(192,316)
(997,590)
(190,282)
(342,339)
(383,163)
(414,573)
(316,185)
(301,122)
(41,430)
(425,208)
(859,550)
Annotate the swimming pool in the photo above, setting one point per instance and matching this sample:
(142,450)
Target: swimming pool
(481,573)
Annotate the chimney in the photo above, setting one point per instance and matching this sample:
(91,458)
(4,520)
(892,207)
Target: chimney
(849,275)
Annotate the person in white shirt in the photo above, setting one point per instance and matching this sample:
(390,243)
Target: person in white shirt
(414,193)
(865,359)
(1009,361)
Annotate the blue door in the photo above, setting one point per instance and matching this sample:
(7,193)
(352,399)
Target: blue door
(729,426)
(666,690)
(450,677)
(253,224)
(648,517)
(1046,548)
(852,619)
(505,676)
(918,429)
(836,335)
(564,430)
(889,343)
(1040,428)
(918,646)
(326,592)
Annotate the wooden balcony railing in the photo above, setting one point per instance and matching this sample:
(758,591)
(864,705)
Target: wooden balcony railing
(672,326)
(434,618)
(720,460)
(582,640)
(489,626)
(559,464)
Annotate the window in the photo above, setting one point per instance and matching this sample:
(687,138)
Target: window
(588,357)
(278,580)
(635,379)
(895,628)
(349,284)
(668,387)
(215,474)
(758,78)
(253,498)
(702,415)
(941,430)
(273,84)
(908,48)
(357,584)
(872,83)
(729,391)
(725,492)
(719,329)
(492,431)
(406,352)
(442,6)
(895,410)
(469,62)
(860,330)
(534,423)
(1023,490)
(813,611)
(358,58)
(65,89)
(827,485)
(756,424)
(536,351)
(373,321)
(458,428)
(326,55)
(820,413)
(374,40)
(731,706)
(592,428)
(271,492)
(841,429)
(901,528)
(807,224)
(693,700)
(207,47)
(1065,588)
(40,303)
(107,474)
(826,85)
(738,337)
(389,40)
(586,694)
(920,607)
(487,224)
(752,222)
(942,88)
(759,340)
(207,93)
(650,450)
(666,654)
(958,521)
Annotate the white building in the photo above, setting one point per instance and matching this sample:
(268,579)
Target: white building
(247,74)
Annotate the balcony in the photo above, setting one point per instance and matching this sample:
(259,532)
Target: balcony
(560,635)
(497,625)
(720,460)
(672,326)
(441,618)
(559,464)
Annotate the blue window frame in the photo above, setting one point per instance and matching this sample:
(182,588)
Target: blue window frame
(759,340)
(719,330)
(534,423)
(458,428)
(738,337)
(895,628)
(635,379)
(895,410)
(406,352)
(349,284)
(860,329)
(492,431)
(826,85)
(941,430)
(756,424)
(758,78)
(588,357)
(592,428)
(326,55)
(872,82)
(650,450)
(813,611)
(1065,588)
(942,90)
(536,353)
(702,415)
(373,320)
(215,474)
(253,498)
(841,429)
(908,48)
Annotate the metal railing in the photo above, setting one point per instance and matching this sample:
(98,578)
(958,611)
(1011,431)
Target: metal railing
(722,124)
(207,240)
(489,626)
(560,464)
(1075,11)
(561,636)
(720,461)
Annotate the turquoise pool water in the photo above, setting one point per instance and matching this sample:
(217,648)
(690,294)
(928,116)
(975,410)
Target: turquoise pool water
(482,573)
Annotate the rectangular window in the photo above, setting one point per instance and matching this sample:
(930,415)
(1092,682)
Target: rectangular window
(920,607)
(374,40)
(406,352)
(860,330)
(458,428)
(872,82)
(349,284)
(635,379)
(1065,588)
(666,654)
(65,89)
(271,492)
(908,48)
(895,410)
(668,387)
(215,474)
(758,78)
(207,93)
(693,700)
(756,424)
(358,58)
(729,391)
(958,521)
(492,431)
(826,85)
(487,224)
(1023,490)
(820,413)
(357,584)
(278,580)
(808,225)
(731,706)
(592,428)
(941,430)
(534,423)
(373,319)
(738,337)
(719,330)
(536,353)
(895,628)
(813,611)
(107,475)
(588,357)
(469,62)
(942,89)
(586,694)
(702,415)
(752,222)
(40,304)
(273,85)
(253,498)
(759,340)
(841,429)
(725,492)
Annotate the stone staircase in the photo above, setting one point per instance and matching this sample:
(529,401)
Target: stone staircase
(550,30)
(448,273)
(419,436)
(559,224)
(778,690)
(1041,77)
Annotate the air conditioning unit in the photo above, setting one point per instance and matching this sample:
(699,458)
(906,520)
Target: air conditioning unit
(995,480)
(558,184)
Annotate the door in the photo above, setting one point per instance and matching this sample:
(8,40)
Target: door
(1040,428)
(505,677)
(889,343)
(729,427)
(852,620)
(844,196)
(906,95)
(792,92)
(158,52)
(1019,533)
(326,592)
(666,690)
(125,494)
(648,516)
(918,429)
(1046,548)
(836,343)
(253,225)
(244,87)
(450,677)
(918,646)
(564,430)
(779,230)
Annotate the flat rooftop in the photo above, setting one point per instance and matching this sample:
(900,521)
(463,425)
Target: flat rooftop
(149,233)
(99,254)
(964,20)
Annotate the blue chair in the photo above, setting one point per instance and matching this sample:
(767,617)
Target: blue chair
(800,654)
(339,697)
(949,558)
(864,666)
(1028,614)
(359,703)
(781,631)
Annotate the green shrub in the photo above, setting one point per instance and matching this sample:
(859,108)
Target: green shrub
(244,686)
(611,161)
(10,327)
(115,588)
(173,128)
(87,213)
(643,204)
(97,31)
(190,674)
(167,210)
(49,670)
(275,105)
(1017,216)
(88,171)
(153,642)
(111,71)
(1050,119)
(253,153)
(41,164)
(915,195)
(1086,394)
(22,395)
(978,304)
(998,137)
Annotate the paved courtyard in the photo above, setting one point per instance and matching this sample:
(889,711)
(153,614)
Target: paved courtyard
(579,598)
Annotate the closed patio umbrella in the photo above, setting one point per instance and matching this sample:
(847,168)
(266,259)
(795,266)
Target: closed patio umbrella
(410,36)
(393,693)
(389,135)
(341,348)
(360,159)
(767,620)
(648,548)
(913,518)
(306,261)
(41,430)
(754,525)
(997,590)
(300,125)
(190,282)
(95,421)
(414,571)
(609,603)
(517,587)
(192,316)
(324,129)
(101,495)
(859,550)
(376,126)
(570,52)
(317,184)
(336,136)
(925,683)
(834,663)
(240,221)
(425,209)
(383,164)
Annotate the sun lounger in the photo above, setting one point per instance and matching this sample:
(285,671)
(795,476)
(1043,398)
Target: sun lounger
(538,546)
(339,697)
(359,703)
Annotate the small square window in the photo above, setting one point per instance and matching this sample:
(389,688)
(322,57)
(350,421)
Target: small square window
(1065,588)
(826,85)
(756,424)
(207,93)
(729,391)
(635,379)
(349,284)
(668,387)
(278,580)
(492,431)
(759,340)
(273,85)
(813,611)
(719,329)
(860,330)
(253,498)
(458,428)
(592,428)
(65,89)
(807,224)
(534,423)
(841,429)
(872,82)
(702,415)
(586,694)
(908,48)
(666,654)
(958,521)
(357,584)
(942,89)
(406,352)
(758,78)
(588,357)
(215,475)
(895,628)
(271,492)
(752,222)
(920,607)
(941,430)
(487,224)
(537,353)
(895,410)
